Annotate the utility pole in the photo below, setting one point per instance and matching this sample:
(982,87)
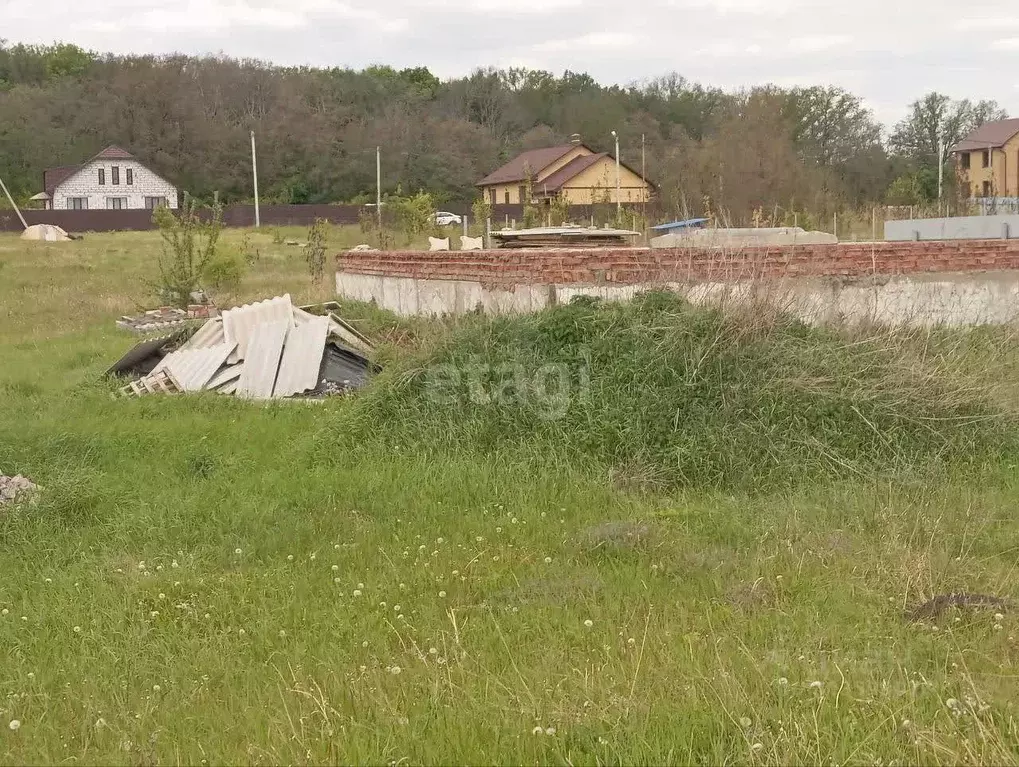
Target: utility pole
(13,204)
(643,181)
(254,176)
(378,188)
(618,202)
(941,169)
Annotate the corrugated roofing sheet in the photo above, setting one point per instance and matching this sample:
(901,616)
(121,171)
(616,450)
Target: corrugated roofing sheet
(338,327)
(262,361)
(239,323)
(192,369)
(302,358)
(225,375)
(208,335)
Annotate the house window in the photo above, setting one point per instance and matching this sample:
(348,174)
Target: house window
(987,158)
(77,203)
(115,175)
(129,176)
(102,177)
(522,194)
(987,189)
(116,203)
(151,203)
(964,160)
(505,197)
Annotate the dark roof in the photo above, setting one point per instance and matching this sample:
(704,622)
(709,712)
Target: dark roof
(690,223)
(54,177)
(569,171)
(113,153)
(531,161)
(992,134)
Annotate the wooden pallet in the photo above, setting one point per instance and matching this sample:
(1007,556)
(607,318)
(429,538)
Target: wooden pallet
(155,383)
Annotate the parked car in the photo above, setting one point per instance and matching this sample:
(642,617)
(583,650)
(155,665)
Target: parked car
(445,218)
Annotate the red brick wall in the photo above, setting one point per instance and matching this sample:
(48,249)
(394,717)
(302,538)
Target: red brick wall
(637,265)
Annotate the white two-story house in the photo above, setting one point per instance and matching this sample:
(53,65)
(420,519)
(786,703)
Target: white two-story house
(112,180)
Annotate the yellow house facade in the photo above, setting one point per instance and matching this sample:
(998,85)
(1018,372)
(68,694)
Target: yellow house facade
(572,171)
(987,160)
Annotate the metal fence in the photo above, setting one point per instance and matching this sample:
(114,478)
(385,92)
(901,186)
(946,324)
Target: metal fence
(141,220)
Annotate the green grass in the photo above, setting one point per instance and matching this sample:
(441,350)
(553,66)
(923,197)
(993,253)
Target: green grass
(705,639)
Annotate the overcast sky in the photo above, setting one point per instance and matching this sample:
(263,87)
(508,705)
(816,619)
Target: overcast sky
(888,51)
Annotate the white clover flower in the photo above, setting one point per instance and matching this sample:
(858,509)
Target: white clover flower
(238,551)
(5,611)
(334,568)
(15,725)
(997,616)
(336,546)
(433,651)
(479,538)
(589,623)
(159,568)
(156,688)
(364,643)
(207,616)
(442,595)
(357,592)
(77,629)
(543,515)
(745,722)
(162,595)
(49,580)
(548,560)
(550,731)
(403,587)
(290,557)
(440,540)
(154,614)
(314,557)
(782,681)
(514,520)
(337,580)
(395,670)
(283,634)
(174,564)
(498,529)
(456,572)
(100,723)
(31,675)
(241,632)
(396,608)
(141,565)
(757,747)
(538,731)
(631,641)
(360,585)
(119,570)
(816,684)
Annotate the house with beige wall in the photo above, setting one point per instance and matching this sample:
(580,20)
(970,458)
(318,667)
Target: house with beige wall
(572,171)
(987,160)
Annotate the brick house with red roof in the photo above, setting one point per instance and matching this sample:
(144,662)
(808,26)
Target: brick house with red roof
(112,180)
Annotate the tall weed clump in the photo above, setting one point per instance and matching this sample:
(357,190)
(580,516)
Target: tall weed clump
(678,395)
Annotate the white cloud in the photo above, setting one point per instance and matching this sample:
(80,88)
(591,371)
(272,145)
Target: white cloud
(818,43)
(594,40)
(985,23)
(1006,44)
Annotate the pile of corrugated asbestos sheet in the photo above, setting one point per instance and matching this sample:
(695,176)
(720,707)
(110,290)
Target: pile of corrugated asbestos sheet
(266,350)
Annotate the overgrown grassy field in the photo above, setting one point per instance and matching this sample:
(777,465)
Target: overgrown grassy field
(605,534)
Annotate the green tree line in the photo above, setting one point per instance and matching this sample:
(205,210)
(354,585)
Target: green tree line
(813,149)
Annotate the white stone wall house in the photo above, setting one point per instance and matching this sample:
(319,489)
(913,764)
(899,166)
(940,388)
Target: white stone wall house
(112,180)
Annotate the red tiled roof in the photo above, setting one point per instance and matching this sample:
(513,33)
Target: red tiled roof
(569,171)
(54,177)
(113,153)
(532,162)
(992,134)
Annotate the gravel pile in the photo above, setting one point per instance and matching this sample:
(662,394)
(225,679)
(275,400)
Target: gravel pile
(15,488)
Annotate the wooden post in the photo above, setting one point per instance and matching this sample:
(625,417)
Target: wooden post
(13,204)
